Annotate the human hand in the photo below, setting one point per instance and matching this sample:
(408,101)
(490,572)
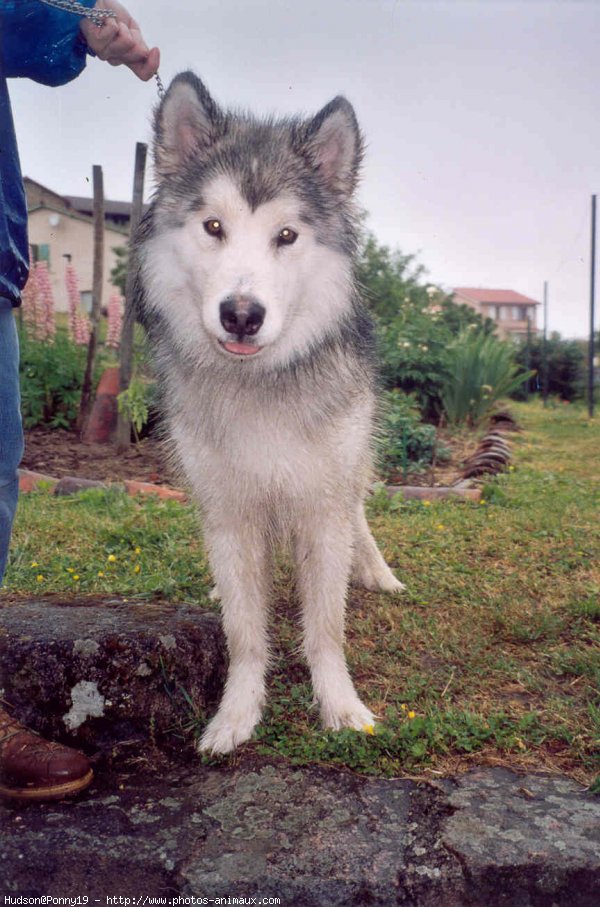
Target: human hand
(120,40)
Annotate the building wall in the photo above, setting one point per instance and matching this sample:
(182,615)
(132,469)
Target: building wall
(73,236)
(502,315)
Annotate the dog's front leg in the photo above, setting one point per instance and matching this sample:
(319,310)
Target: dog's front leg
(238,557)
(324,559)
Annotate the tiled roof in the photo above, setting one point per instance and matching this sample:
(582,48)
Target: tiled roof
(478,294)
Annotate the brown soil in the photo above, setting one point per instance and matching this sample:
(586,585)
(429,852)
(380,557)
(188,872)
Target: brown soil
(56,452)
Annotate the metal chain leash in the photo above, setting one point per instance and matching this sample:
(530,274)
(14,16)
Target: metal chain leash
(98,17)
(160,87)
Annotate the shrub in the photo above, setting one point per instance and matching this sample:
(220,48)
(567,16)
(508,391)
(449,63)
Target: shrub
(51,376)
(404,443)
(415,322)
(566,367)
(480,370)
(50,381)
(137,402)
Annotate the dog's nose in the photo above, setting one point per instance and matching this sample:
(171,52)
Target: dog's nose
(241,316)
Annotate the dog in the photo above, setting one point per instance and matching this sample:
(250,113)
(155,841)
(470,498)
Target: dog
(264,355)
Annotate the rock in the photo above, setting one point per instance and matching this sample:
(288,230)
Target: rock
(312,838)
(71,485)
(433,492)
(111,675)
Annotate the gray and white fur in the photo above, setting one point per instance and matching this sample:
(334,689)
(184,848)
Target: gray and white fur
(264,354)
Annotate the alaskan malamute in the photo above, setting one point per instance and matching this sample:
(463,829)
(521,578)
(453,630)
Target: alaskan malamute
(264,353)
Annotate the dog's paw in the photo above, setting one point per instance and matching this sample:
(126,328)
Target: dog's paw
(380,581)
(225,732)
(392,585)
(353,715)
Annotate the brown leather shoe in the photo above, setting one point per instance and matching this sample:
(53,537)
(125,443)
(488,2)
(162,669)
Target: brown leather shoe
(32,768)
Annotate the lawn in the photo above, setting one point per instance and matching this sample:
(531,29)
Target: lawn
(493,654)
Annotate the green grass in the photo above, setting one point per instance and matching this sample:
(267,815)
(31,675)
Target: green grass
(493,654)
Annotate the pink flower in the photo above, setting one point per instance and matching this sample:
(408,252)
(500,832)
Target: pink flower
(79,324)
(43,323)
(115,321)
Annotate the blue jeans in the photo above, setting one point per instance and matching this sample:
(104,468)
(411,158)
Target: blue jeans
(11,432)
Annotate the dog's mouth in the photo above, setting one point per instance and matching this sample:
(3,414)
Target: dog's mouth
(238,348)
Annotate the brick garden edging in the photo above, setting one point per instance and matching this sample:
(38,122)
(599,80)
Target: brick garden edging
(30,481)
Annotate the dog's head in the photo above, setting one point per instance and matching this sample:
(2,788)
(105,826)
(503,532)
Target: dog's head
(254,223)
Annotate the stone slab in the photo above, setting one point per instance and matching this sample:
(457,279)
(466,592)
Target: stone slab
(108,674)
(312,838)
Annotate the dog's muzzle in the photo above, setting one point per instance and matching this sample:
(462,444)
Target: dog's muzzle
(243,317)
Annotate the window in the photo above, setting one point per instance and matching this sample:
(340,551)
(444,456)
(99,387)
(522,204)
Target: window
(39,252)
(519,313)
(86,300)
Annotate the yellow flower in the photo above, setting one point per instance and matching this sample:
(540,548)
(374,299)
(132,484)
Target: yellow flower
(440,526)
(34,563)
(40,578)
(75,577)
(368,729)
(482,501)
(111,558)
(412,714)
(70,570)
(138,551)
(100,573)
(404,707)
(426,503)
(137,568)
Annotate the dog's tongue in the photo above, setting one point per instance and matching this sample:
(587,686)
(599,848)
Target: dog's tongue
(242,349)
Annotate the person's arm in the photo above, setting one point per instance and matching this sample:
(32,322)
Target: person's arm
(49,45)
(120,41)
(41,42)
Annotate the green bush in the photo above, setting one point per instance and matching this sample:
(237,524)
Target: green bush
(51,376)
(480,370)
(415,323)
(137,402)
(404,443)
(566,367)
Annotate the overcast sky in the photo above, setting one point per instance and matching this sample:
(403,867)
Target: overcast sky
(482,120)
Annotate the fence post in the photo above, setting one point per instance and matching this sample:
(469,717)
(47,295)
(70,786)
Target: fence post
(97,278)
(126,346)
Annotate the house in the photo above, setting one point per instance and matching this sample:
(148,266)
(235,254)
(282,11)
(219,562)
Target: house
(61,229)
(512,312)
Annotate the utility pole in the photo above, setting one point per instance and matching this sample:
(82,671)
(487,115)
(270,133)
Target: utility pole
(528,357)
(592,304)
(545,348)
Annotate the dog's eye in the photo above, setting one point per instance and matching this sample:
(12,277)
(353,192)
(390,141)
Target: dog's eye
(286,237)
(214,227)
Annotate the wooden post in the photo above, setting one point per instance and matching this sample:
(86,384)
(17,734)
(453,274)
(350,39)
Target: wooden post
(97,277)
(126,345)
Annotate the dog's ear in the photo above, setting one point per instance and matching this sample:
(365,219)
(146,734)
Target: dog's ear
(186,122)
(333,142)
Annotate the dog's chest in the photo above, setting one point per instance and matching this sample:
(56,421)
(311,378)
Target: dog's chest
(283,444)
